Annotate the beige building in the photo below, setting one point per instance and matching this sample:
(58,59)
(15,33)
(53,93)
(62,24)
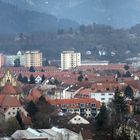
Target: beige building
(70,59)
(33,58)
(2,60)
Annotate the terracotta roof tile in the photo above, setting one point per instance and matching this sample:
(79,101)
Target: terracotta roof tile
(34,95)
(9,101)
(8,89)
(74,101)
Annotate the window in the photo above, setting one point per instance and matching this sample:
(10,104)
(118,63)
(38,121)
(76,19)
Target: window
(102,94)
(102,98)
(9,113)
(82,105)
(13,113)
(93,105)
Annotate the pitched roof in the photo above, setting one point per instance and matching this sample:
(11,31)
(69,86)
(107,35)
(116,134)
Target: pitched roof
(34,95)
(74,101)
(8,89)
(9,101)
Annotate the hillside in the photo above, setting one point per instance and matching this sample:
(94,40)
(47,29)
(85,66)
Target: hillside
(117,13)
(16,20)
(98,42)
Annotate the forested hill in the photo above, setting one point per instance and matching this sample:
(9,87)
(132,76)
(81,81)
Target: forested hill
(93,41)
(16,20)
(117,13)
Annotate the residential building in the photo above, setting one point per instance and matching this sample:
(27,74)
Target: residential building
(46,134)
(84,107)
(8,77)
(9,59)
(70,59)
(9,106)
(33,58)
(92,63)
(2,60)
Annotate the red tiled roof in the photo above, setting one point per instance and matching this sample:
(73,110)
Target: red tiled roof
(8,89)
(34,95)
(9,101)
(74,101)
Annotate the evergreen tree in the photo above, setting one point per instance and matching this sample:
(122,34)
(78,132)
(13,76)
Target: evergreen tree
(32,79)
(120,105)
(31,108)
(20,78)
(129,92)
(102,117)
(25,80)
(17,62)
(80,78)
(43,78)
(32,69)
(126,67)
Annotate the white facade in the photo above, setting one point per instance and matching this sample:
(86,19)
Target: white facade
(78,120)
(50,134)
(38,79)
(70,59)
(12,112)
(11,58)
(103,97)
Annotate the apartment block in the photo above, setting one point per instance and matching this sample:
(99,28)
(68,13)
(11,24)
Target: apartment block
(70,59)
(33,58)
(2,60)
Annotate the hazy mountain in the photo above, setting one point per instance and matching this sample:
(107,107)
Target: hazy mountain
(13,19)
(119,13)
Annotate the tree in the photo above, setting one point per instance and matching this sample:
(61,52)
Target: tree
(80,78)
(31,108)
(41,121)
(11,126)
(25,80)
(20,78)
(32,79)
(17,62)
(32,69)
(102,117)
(128,92)
(120,105)
(43,78)
(128,74)
(126,67)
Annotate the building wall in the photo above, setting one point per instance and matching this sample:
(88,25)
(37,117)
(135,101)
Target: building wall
(33,58)
(70,59)
(85,110)
(78,120)
(2,60)
(105,97)
(8,77)
(12,111)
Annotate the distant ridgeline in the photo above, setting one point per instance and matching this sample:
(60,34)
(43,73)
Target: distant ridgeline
(16,20)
